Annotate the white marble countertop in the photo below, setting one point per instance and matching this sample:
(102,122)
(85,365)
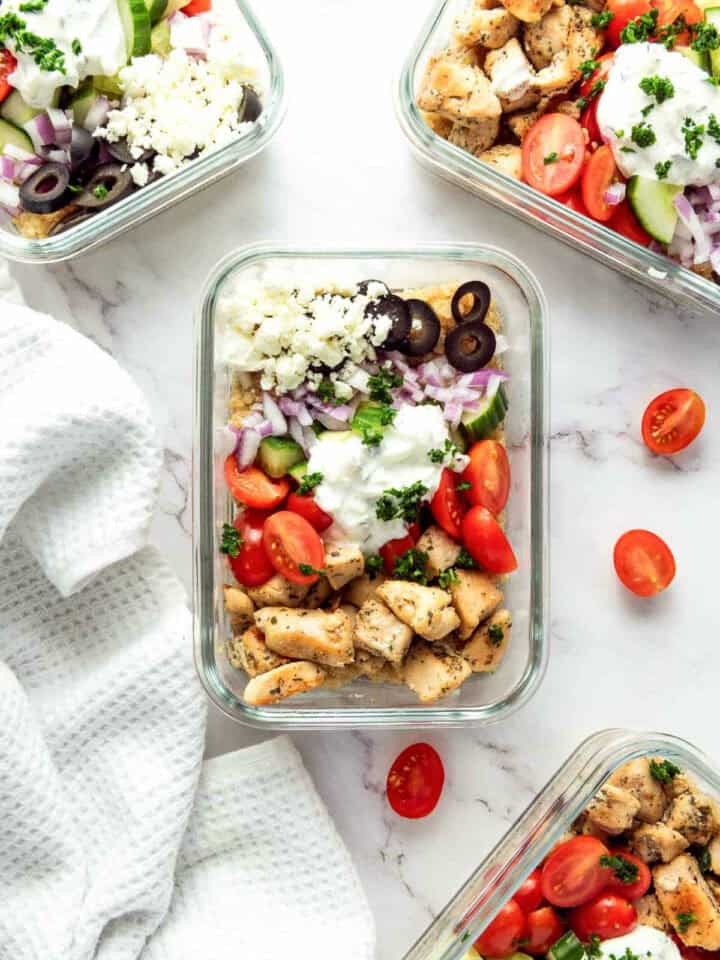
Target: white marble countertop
(340,171)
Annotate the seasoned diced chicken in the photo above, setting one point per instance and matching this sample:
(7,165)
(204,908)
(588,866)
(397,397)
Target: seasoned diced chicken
(371,666)
(656,841)
(308,634)
(379,631)
(529,11)
(714,851)
(475,595)
(520,123)
(569,107)
(714,885)
(250,653)
(613,809)
(442,551)
(487,646)
(317,594)
(558,77)
(286,681)
(239,607)
(635,776)
(688,903)
(588,828)
(507,157)
(432,672)
(511,77)
(440,125)
(691,814)
(343,561)
(427,610)
(484,27)
(363,588)
(475,137)
(650,914)
(278,592)
(458,91)
(564,30)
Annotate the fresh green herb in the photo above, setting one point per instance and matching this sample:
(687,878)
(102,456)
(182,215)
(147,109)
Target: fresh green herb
(619,134)
(448,451)
(307,570)
(75,188)
(32,6)
(76,47)
(624,870)
(463,485)
(465,936)
(717,162)
(495,634)
(661,88)
(581,103)
(715,81)
(373,565)
(411,566)
(551,158)
(693,133)
(664,770)
(713,128)
(706,36)
(628,955)
(587,68)
(670,32)
(326,391)
(44,51)
(387,414)
(648,109)
(662,169)
(464,560)
(593,947)
(628,150)
(684,920)
(100,191)
(403,503)
(704,860)
(309,482)
(643,134)
(601,20)
(641,28)
(371,437)
(597,88)
(381,383)
(446,577)
(231,540)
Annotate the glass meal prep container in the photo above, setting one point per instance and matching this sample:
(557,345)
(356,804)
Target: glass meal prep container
(459,167)
(538,829)
(168,190)
(482,698)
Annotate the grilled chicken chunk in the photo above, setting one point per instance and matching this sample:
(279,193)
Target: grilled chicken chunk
(479,26)
(317,594)
(650,913)
(363,588)
(475,137)
(520,123)
(714,851)
(656,841)
(343,562)
(487,646)
(692,815)
(458,91)
(512,77)
(285,681)
(506,157)
(683,893)
(250,653)
(442,551)
(239,607)
(432,672)
(475,595)
(635,777)
(427,610)
(613,809)
(308,634)
(278,592)
(566,29)
(529,11)
(379,631)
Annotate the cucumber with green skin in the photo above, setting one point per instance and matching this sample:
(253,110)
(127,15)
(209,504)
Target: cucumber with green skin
(156,9)
(298,470)
(10,134)
(160,39)
(83,99)
(278,454)
(371,418)
(136,24)
(568,947)
(712,16)
(699,57)
(481,423)
(18,112)
(652,203)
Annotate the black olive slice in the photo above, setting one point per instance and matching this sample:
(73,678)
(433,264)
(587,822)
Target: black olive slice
(397,310)
(251,106)
(424,329)
(480,292)
(120,150)
(470,346)
(77,217)
(46,190)
(108,184)
(81,146)
(362,287)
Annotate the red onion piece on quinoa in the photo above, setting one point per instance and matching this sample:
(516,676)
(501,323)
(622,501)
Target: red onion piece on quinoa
(247,448)
(614,194)
(274,415)
(296,432)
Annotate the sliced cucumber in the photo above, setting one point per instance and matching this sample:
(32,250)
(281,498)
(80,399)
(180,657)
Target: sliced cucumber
(278,454)
(370,418)
(156,9)
(652,203)
(136,24)
(298,470)
(483,422)
(109,86)
(335,436)
(82,101)
(16,110)
(160,39)
(458,438)
(699,57)
(9,133)
(712,16)
(568,947)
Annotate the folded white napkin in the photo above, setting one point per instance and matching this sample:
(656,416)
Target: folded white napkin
(106,849)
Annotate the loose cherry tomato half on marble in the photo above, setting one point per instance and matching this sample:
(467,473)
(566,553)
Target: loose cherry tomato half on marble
(415,781)
(505,933)
(643,562)
(293,547)
(254,488)
(673,420)
(572,874)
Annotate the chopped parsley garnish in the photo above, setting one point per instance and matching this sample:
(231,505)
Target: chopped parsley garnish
(446,577)
(463,485)
(643,134)
(628,150)
(326,391)
(704,860)
(648,109)
(693,133)
(706,36)
(588,67)
(373,565)
(309,482)
(715,81)
(231,540)
(662,169)
(601,20)
(403,503)
(551,158)
(593,947)
(670,32)
(411,566)
(495,634)
(628,955)
(713,128)
(371,437)
(661,88)
(381,383)
(581,103)
(641,28)
(76,47)
(32,6)
(465,561)
(597,88)
(663,770)
(448,451)
(100,191)
(619,134)
(684,920)
(44,51)
(307,570)
(624,870)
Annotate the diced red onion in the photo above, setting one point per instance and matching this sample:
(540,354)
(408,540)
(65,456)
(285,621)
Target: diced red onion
(97,114)
(265,429)
(227,440)
(691,220)
(614,194)
(714,190)
(40,130)
(274,414)
(191,34)
(8,168)
(9,198)
(54,154)
(304,418)
(310,437)
(341,412)
(296,432)
(247,448)
(331,423)
(453,412)
(17,153)
(289,407)
(715,259)
(62,125)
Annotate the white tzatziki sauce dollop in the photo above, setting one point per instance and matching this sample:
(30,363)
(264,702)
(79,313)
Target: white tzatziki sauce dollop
(646,943)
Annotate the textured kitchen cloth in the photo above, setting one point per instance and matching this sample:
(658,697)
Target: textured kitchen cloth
(109,850)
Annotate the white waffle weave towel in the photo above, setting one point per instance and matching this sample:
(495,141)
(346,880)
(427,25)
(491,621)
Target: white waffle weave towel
(115,843)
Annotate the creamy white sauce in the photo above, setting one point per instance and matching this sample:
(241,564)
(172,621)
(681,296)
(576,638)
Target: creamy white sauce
(355,476)
(95,24)
(646,943)
(622,102)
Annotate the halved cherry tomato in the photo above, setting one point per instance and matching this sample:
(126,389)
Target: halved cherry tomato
(606,916)
(572,874)
(251,567)
(634,889)
(8,63)
(625,222)
(553,152)
(673,420)
(446,505)
(504,934)
(305,505)
(486,542)
(488,474)
(291,542)
(197,6)
(694,953)
(394,549)
(670,10)
(643,562)
(415,781)
(574,200)
(623,12)
(599,173)
(604,63)
(544,928)
(253,487)
(589,121)
(529,894)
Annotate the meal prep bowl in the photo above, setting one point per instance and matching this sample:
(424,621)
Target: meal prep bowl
(540,827)
(168,190)
(460,167)
(482,698)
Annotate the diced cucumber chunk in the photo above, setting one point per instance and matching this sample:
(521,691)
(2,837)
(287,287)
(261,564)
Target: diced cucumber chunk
(136,24)
(652,203)
(109,86)
(334,436)
(298,470)
(369,418)
(712,16)
(16,110)
(481,423)
(699,57)
(10,134)
(160,39)
(568,947)
(156,9)
(458,438)
(82,101)
(278,454)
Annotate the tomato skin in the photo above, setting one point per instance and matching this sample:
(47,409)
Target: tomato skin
(488,474)
(305,506)
(553,133)
(599,173)
(673,420)
(643,562)
(253,488)
(572,874)
(638,888)
(624,221)
(624,11)
(501,938)
(574,200)
(486,542)
(670,10)
(544,928)
(8,63)
(529,894)
(415,781)
(446,505)
(289,540)
(604,64)
(251,567)
(196,6)
(589,121)
(393,549)
(606,916)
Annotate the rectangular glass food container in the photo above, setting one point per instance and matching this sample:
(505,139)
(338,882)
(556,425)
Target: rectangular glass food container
(482,698)
(539,828)
(456,165)
(167,191)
